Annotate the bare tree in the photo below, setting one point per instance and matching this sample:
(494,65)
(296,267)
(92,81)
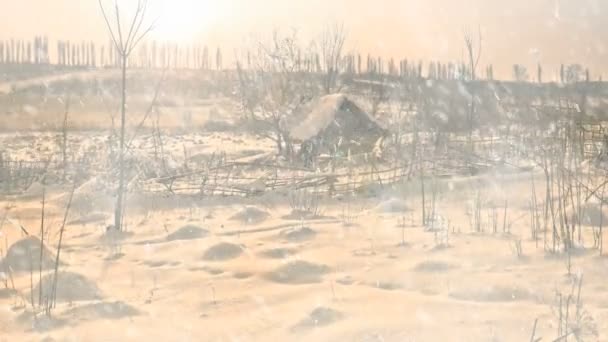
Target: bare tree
(331,46)
(64,137)
(520,73)
(379,93)
(473,54)
(574,73)
(218,59)
(274,89)
(124,42)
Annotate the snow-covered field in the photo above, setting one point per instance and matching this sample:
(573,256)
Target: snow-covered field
(228,269)
(359,267)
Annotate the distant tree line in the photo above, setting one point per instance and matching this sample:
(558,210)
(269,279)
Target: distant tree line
(89,54)
(15,51)
(156,54)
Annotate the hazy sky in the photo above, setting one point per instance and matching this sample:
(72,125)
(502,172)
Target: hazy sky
(514,31)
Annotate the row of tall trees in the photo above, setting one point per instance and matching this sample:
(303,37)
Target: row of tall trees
(24,51)
(76,54)
(572,73)
(89,54)
(156,54)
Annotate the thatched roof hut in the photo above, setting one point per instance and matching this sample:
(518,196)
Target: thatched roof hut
(335,123)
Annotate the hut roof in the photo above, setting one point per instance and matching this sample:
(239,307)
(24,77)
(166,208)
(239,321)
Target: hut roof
(331,109)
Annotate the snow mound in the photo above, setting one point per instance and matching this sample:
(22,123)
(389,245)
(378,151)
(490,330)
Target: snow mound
(393,205)
(299,234)
(188,232)
(71,287)
(277,253)
(24,255)
(298,272)
(320,317)
(223,251)
(250,215)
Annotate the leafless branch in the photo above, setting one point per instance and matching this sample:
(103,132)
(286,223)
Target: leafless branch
(109,26)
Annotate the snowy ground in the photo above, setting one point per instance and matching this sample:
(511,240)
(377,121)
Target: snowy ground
(245,269)
(364,268)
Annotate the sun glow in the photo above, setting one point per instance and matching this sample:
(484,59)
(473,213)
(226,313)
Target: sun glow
(182,20)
